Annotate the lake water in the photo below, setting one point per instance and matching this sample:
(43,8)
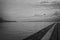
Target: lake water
(20,30)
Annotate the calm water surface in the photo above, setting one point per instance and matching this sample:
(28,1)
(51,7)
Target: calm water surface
(20,30)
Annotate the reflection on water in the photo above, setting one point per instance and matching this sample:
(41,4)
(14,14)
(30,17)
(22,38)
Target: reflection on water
(20,30)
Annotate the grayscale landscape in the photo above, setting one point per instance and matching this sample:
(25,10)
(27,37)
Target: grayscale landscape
(22,18)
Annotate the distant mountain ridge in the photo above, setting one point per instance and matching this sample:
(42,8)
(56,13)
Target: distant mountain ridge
(2,20)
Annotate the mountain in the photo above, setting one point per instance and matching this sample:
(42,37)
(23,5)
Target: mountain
(2,20)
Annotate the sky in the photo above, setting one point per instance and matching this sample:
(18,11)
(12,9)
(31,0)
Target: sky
(16,9)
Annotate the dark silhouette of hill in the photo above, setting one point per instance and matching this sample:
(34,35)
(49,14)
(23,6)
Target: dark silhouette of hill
(2,20)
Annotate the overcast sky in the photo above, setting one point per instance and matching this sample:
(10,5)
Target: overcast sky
(15,9)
